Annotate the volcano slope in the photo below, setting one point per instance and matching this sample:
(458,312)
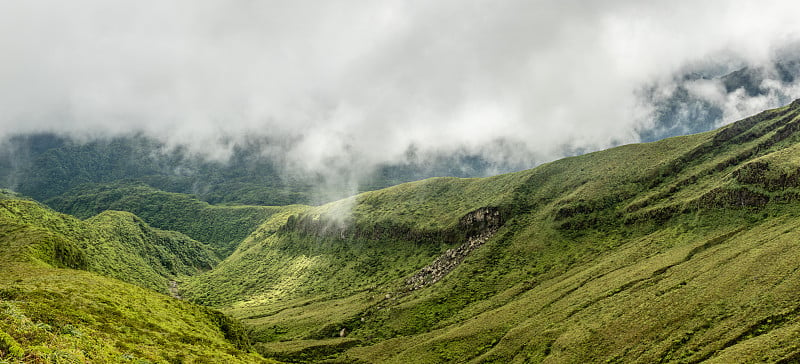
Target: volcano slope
(63,296)
(682,250)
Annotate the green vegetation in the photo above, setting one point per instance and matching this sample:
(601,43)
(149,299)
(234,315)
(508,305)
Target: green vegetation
(683,250)
(116,244)
(45,165)
(221,227)
(676,251)
(55,315)
(50,312)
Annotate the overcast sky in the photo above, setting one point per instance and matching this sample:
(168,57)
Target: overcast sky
(366,79)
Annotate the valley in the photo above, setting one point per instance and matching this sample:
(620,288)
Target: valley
(679,250)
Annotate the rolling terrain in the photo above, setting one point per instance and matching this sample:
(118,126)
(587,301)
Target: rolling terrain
(64,296)
(681,250)
(678,250)
(221,227)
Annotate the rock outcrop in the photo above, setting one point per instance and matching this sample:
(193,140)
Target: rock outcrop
(447,261)
(479,226)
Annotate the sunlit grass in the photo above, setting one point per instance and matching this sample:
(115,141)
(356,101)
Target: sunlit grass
(682,250)
(641,253)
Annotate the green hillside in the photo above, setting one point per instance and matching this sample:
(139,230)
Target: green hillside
(47,165)
(115,244)
(678,250)
(221,227)
(52,312)
(682,250)
(53,166)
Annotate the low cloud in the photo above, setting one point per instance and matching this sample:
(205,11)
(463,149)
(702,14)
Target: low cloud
(712,95)
(354,84)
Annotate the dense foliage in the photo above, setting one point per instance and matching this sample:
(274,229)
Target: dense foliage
(647,253)
(682,250)
(46,165)
(221,227)
(115,244)
(52,312)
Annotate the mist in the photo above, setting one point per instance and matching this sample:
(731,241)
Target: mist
(353,85)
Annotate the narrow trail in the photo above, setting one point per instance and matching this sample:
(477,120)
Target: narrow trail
(173,290)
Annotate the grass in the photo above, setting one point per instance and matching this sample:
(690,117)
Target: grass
(115,244)
(642,253)
(221,227)
(683,250)
(622,304)
(56,307)
(63,315)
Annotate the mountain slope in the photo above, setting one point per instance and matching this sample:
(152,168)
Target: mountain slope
(47,165)
(50,312)
(63,315)
(666,251)
(115,244)
(221,227)
(682,250)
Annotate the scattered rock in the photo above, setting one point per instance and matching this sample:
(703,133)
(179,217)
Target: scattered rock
(173,290)
(447,262)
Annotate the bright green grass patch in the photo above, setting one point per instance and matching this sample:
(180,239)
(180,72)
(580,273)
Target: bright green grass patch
(116,244)
(221,227)
(62,315)
(665,251)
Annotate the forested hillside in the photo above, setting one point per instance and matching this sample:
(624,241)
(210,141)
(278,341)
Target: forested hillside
(64,299)
(222,227)
(48,166)
(682,250)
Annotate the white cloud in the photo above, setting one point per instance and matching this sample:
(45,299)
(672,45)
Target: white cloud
(360,81)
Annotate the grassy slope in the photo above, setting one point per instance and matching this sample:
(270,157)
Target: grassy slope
(51,312)
(279,271)
(222,227)
(63,315)
(675,250)
(116,244)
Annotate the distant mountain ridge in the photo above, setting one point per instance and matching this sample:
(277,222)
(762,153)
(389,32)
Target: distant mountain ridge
(684,112)
(47,165)
(681,250)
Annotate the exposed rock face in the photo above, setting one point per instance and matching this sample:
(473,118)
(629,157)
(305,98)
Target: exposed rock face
(475,227)
(480,225)
(447,261)
(480,220)
(319,227)
(173,290)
